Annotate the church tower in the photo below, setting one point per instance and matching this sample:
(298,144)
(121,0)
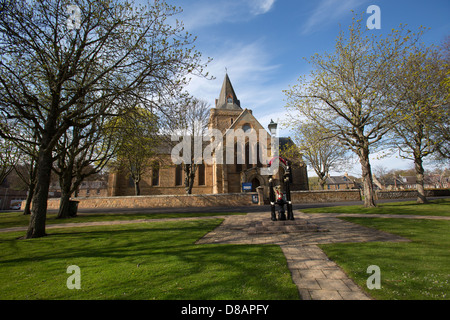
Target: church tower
(229,115)
(227,108)
(227,97)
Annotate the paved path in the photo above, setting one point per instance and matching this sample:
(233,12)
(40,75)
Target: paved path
(316,277)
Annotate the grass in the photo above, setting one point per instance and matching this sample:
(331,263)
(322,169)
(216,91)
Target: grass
(141,261)
(419,269)
(439,207)
(159,260)
(17,219)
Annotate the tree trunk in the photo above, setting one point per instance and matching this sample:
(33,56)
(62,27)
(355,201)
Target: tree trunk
(64,212)
(27,209)
(369,199)
(65,181)
(322,181)
(189,173)
(419,180)
(36,227)
(137,188)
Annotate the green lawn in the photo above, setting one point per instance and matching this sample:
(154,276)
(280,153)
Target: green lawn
(141,261)
(17,219)
(419,269)
(160,260)
(440,207)
(409,270)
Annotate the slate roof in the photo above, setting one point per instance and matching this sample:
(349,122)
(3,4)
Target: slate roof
(226,92)
(335,180)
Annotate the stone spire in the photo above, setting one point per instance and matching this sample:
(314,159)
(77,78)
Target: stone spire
(227,98)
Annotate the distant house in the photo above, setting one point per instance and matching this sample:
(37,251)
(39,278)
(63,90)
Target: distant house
(430,181)
(393,183)
(96,188)
(341,182)
(409,182)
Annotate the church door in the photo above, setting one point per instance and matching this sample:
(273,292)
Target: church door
(255,184)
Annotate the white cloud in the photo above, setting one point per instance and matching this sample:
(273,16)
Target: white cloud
(261,6)
(250,70)
(203,13)
(328,11)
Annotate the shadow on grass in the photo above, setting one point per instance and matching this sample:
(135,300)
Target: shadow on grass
(149,261)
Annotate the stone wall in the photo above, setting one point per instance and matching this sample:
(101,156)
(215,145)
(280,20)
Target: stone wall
(162,201)
(203,200)
(314,196)
(405,194)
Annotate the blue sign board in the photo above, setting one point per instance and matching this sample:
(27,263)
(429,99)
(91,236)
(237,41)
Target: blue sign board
(246,186)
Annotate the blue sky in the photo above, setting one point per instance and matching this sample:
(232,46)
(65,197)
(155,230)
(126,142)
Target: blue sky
(262,44)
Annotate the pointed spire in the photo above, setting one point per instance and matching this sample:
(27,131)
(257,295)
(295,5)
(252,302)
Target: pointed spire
(227,98)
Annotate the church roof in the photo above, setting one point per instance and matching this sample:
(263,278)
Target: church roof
(226,93)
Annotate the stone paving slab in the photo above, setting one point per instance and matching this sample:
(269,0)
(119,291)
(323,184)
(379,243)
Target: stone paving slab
(316,276)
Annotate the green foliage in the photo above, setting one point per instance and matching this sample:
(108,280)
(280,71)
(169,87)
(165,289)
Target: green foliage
(349,92)
(136,135)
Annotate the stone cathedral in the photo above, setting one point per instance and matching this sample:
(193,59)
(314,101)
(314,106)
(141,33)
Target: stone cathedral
(166,178)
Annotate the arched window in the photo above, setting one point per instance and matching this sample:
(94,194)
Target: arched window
(201,174)
(246,127)
(238,165)
(258,157)
(155,173)
(178,175)
(247,155)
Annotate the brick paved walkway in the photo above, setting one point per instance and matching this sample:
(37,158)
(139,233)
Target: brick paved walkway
(316,277)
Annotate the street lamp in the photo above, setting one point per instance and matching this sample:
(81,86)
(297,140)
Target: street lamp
(272,127)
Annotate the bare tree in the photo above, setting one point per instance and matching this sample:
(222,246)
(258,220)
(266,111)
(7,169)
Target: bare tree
(423,100)
(81,152)
(191,124)
(321,151)
(348,92)
(136,135)
(8,158)
(56,74)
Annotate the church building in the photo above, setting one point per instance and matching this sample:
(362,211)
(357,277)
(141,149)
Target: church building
(166,178)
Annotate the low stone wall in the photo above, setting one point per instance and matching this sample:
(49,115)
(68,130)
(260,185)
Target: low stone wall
(405,194)
(204,200)
(166,201)
(314,196)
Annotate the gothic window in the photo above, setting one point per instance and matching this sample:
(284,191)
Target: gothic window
(246,127)
(247,155)
(155,173)
(230,100)
(258,157)
(178,175)
(201,174)
(238,165)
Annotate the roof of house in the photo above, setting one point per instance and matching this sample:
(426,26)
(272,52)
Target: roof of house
(338,180)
